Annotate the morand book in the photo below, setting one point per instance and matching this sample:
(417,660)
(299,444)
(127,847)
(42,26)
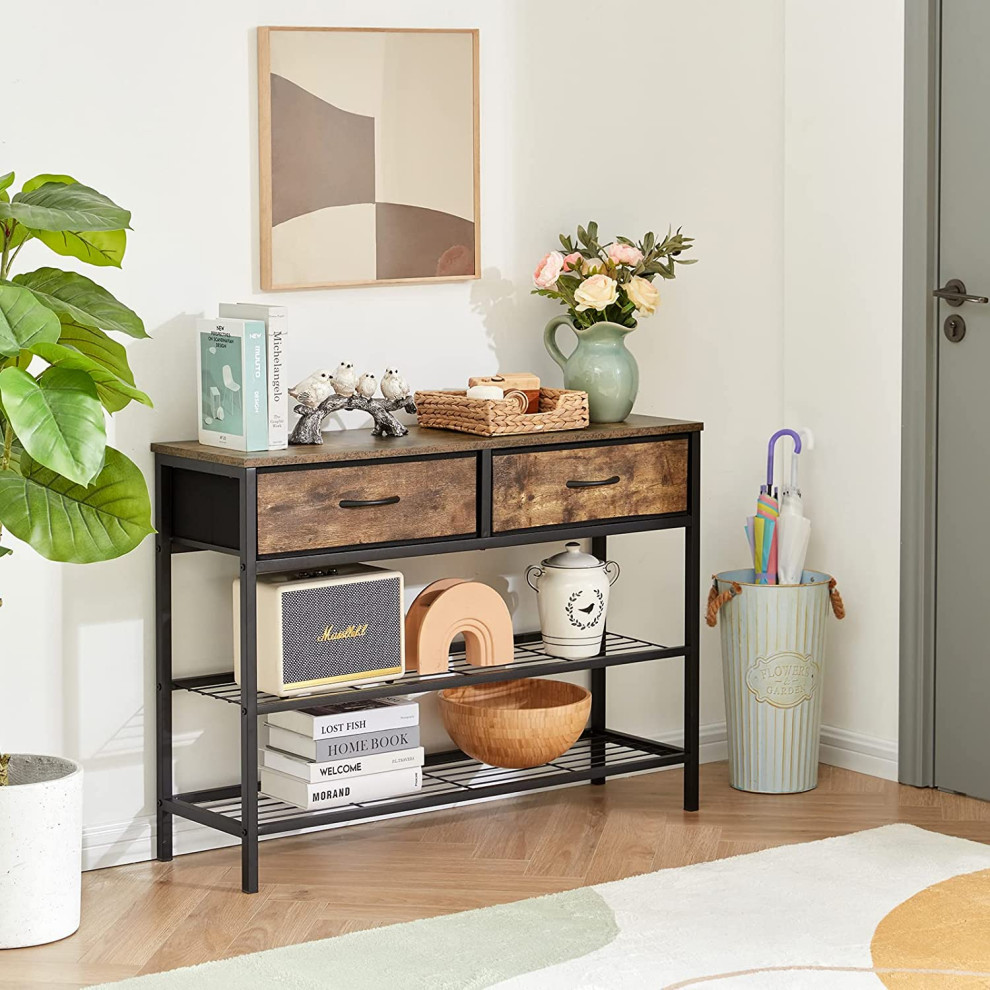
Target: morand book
(232,362)
(325,750)
(351,766)
(349,718)
(335,793)
(276,320)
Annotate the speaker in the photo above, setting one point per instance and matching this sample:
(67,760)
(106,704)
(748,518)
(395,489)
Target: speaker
(329,627)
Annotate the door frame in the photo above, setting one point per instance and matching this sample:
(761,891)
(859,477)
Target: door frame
(919,396)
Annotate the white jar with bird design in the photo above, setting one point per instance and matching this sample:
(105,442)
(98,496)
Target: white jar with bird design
(572,589)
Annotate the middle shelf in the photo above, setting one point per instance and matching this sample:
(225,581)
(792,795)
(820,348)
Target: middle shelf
(529,660)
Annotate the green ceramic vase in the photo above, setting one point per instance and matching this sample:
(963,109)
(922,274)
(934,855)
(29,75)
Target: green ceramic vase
(600,365)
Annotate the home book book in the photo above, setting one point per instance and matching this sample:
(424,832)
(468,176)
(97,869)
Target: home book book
(353,766)
(334,793)
(324,750)
(349,718)
(276,320)
(231,365)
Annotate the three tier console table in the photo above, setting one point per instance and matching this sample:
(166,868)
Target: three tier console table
(356,498)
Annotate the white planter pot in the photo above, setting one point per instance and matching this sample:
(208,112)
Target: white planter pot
(40,850)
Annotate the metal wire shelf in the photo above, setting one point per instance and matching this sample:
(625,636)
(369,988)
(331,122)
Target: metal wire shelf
(529,660)
(448,778)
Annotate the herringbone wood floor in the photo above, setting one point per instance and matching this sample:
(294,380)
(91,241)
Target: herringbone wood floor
(154,916)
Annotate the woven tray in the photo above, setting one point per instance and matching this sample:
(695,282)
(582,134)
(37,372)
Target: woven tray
(560,409)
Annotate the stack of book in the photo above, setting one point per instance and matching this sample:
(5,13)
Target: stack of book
(348,753)
(243,399)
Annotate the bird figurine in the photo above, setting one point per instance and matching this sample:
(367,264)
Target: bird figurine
(313,389)
(345,379)
(394,385)
(367,385)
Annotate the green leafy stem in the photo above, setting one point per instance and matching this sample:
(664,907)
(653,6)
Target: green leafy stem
(63,490)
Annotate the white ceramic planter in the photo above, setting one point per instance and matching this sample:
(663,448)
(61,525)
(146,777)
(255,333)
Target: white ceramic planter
(40,850)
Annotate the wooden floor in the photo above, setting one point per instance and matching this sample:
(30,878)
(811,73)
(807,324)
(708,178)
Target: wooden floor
(154,916)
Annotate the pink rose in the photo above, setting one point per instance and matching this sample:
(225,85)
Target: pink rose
(545,276)
(624,254)
(572,260)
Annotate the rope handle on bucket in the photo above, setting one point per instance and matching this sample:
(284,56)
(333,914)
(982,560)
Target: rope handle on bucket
(716,599)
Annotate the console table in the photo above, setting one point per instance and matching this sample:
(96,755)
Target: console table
(356,498)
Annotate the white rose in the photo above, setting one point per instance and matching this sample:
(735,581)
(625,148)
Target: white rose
(592,265)
(643,295)
(596,292)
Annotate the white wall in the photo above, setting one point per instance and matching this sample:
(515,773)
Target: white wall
(681,121)
(843,162)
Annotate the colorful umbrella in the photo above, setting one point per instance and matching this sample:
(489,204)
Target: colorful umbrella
(762,530)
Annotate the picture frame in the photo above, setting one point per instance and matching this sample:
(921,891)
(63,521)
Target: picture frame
(369,156)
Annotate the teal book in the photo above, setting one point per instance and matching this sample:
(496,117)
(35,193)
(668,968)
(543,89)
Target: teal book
(232,362)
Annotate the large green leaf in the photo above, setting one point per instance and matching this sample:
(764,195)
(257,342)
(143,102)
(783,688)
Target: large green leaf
(95,344)
(96,247)
(58,419)
(77,299)
(5,182)
(63,206)
(24,321)
(68,522)
(113,393)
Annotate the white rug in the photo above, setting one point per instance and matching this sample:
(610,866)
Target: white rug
(895,907)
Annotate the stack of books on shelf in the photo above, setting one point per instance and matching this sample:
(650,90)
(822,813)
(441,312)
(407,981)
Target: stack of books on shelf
(243,399)
(349,753)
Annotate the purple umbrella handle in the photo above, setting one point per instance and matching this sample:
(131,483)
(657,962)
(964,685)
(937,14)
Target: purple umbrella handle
(770,446)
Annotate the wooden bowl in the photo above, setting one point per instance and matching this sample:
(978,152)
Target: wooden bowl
(515,724)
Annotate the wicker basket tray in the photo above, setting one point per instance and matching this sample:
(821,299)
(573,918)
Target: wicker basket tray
(560,409)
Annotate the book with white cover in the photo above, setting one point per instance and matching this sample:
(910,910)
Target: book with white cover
(325,750)
(276,320)
(355,766)
(336,793)
(348,718)
(231,363)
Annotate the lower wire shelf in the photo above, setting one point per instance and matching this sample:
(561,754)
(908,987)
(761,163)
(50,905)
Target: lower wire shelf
(448,778)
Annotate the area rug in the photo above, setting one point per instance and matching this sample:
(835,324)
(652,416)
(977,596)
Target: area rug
(895,907)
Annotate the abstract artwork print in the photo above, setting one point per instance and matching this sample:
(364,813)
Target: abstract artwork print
(369,156)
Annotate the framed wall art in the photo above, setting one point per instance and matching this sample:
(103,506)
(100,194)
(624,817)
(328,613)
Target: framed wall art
(369,167)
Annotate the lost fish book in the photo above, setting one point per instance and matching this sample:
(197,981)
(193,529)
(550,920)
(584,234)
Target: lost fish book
(333,794)
(232,362)
(348,718)
(324,750)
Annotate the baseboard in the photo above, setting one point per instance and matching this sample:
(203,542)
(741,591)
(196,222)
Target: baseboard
(134,841)
(859,752)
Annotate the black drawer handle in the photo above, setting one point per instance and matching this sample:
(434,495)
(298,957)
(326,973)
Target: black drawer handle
(614,480)
(367,503)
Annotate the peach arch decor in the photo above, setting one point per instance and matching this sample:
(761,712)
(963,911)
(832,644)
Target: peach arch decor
(455,606)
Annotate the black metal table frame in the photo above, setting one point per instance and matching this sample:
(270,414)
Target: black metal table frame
(650,754)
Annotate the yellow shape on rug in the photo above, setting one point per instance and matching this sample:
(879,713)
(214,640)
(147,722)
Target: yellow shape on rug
(941,928)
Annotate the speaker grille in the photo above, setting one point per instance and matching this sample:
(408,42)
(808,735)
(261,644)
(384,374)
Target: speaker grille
(306,613)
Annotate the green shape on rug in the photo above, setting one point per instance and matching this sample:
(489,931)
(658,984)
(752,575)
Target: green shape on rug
(466,951)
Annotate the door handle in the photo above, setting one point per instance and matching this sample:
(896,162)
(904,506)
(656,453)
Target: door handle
(955,294)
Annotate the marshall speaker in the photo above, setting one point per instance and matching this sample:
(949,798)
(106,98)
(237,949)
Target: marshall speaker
(344,625)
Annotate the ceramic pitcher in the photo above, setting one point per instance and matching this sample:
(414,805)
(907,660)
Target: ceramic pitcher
(600,365)
(572,589)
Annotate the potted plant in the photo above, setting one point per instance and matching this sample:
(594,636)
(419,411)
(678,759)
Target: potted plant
(63,491)
(605,289)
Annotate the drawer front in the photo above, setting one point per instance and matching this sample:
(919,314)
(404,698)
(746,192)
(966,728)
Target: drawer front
(550,487)
(418,500)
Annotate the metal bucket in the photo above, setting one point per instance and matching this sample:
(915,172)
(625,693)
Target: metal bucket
(773,658)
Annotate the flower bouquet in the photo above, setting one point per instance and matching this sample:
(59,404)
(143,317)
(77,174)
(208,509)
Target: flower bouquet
(613,283)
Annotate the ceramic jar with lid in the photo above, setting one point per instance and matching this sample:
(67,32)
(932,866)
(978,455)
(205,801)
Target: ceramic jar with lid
(573,589)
